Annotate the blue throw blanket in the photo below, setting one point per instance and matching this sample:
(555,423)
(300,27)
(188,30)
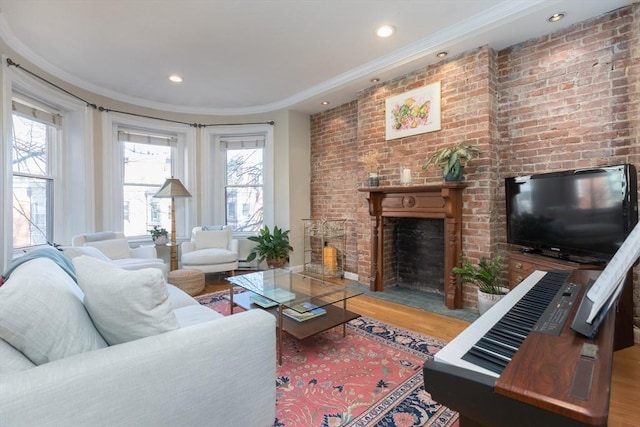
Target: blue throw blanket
(48,252)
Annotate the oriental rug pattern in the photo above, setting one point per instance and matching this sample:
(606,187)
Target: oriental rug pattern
(371,377)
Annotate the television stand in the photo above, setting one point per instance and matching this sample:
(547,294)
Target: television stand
(521,265)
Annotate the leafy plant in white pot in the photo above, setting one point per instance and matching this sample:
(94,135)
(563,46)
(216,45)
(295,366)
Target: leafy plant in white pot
(486,275)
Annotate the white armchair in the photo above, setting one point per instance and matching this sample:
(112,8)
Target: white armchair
(114,247)
(210,251)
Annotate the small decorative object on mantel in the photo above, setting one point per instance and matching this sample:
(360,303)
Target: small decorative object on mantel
(159,235)
(451,159)
(405,176)
(370,161)
(486,274)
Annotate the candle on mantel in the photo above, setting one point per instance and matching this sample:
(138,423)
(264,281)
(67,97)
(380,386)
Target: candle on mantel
(405,178)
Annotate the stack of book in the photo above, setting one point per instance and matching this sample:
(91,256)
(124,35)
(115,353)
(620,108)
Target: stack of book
(272,298)
(304,311)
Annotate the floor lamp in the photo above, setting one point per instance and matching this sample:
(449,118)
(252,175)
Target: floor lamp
(173,188)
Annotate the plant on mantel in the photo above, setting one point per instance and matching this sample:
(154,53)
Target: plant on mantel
(452,159)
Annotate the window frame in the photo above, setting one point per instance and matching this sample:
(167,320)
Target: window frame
(73,206)
(50,176)
(213,165)
(113,174)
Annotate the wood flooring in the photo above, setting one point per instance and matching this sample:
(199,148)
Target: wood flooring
(624,407)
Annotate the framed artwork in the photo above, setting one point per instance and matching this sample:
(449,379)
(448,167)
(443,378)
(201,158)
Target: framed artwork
(413,112)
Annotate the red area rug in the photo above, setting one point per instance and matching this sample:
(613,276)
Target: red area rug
(371,377)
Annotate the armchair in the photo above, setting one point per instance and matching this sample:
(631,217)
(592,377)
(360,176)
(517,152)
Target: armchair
(210,251)
(113,247)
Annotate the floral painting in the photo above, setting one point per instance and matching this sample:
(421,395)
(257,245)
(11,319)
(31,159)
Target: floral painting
(413,112)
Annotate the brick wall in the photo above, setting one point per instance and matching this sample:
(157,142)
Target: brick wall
(565,100)
(334,160)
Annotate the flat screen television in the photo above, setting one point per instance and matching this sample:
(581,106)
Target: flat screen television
(580,213)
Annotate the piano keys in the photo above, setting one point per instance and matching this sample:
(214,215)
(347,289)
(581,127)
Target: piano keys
(532,378)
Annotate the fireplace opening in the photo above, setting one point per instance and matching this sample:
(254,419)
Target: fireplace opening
(417,254)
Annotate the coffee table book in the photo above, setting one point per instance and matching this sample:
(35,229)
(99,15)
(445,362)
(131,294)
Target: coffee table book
(303,311)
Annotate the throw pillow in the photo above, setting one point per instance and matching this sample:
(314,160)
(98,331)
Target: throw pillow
(125,305)
(212,227)
(76,251)
(211,239)
(113,248)
(41,313)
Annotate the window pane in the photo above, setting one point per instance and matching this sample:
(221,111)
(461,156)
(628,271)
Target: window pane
(146,167)
(30,147)
(146,164)
(244,208)
(244,167)
(244,189)
(31,211)
(143,211)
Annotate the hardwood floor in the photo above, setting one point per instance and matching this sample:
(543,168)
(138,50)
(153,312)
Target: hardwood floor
(624,407)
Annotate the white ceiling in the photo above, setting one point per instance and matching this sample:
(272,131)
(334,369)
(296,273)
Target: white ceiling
(252,56)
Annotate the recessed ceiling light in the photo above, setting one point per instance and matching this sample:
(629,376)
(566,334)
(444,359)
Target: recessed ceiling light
(385,31)
(556,17)
(442,54)
(325,103)
(374,80)
(175,78)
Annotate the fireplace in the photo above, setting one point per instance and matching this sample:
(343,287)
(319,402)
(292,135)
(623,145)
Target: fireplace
(442,202)
(418,249)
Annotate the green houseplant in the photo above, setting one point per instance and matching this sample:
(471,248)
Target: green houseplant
(159,235)
(486,275)
(272,247)
(451,159)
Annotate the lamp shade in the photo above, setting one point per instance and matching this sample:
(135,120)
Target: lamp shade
(172,187)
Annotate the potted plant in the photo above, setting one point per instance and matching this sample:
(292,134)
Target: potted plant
(486,275)
(159,235)
(451,159)
(272,247)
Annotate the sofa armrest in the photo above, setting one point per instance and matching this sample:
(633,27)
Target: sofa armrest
(144,252)
(233,245)
(187,247)
(220,372)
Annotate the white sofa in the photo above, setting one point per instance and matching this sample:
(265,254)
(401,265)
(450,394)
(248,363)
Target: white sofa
(210,250)
(208,370)
(114,246)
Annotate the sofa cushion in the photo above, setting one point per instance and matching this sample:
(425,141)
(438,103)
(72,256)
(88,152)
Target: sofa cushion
(125,305)
(194,314)
(41,313)
(76,251)
(211,239)
(113,248)
(207,256)
(11,360)
(179,298)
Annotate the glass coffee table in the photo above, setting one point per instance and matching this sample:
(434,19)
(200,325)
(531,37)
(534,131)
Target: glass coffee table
(303,305)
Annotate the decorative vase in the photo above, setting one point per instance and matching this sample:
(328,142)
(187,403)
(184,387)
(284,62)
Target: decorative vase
(161,240)
(454,175)
(486,301)
(374,180)
(277,262)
